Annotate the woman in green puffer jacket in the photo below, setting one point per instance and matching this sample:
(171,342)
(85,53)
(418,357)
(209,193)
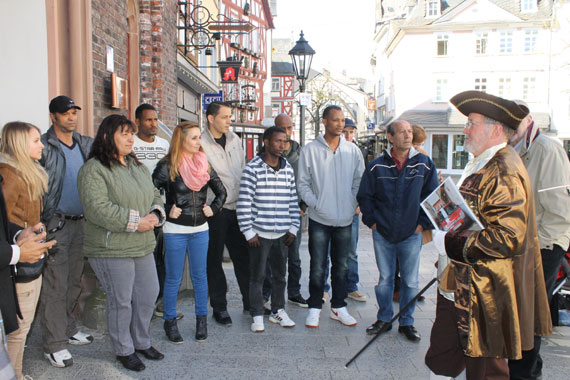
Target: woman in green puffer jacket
(121,208)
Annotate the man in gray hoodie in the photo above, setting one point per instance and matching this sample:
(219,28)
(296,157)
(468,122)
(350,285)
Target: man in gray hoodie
(330,169)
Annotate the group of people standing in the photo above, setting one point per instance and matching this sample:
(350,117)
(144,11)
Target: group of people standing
(109,198)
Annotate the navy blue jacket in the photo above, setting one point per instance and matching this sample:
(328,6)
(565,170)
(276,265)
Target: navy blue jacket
(391,200)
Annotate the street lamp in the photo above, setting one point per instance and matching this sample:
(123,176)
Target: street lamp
(302,56)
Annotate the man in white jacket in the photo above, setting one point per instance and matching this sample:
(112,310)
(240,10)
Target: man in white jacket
(330,169)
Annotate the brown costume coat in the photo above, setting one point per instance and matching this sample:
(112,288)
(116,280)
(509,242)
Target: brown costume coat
(500,294)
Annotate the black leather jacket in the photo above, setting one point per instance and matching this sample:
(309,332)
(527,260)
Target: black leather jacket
(53,161)
(191,202)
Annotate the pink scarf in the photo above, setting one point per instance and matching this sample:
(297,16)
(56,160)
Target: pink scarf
(194,171)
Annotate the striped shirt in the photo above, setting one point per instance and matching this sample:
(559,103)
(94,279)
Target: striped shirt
(267,203)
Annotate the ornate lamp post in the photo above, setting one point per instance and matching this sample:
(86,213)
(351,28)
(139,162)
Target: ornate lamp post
(301,57)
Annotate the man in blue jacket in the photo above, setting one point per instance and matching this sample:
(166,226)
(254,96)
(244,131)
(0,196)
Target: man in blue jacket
(392,188)
(330,169)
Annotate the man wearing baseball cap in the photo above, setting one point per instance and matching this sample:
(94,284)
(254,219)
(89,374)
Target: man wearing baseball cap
(64,153)
(492,298)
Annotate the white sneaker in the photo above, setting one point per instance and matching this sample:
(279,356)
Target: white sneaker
(60,359)
(257,325)
(312,320)
(282,318)
(81,339)
(341,315)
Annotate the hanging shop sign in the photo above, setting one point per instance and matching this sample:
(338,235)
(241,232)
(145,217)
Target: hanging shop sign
(229,71)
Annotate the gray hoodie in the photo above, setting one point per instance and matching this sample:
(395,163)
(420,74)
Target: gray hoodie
(328,181)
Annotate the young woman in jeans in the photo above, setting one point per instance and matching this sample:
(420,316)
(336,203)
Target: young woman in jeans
(185,175)
(24,182)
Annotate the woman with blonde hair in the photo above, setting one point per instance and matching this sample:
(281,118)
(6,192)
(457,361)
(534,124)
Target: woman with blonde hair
(185,175)
(24,182)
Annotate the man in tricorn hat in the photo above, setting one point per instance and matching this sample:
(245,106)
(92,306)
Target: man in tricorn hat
(496,299)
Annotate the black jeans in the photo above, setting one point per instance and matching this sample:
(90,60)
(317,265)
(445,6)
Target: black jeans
(274,253)
(224,230)
(320,236)
(294,267)
(530,366)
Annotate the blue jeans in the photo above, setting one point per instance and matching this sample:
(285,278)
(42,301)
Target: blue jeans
(177,246)
(352,260)
(320,236)
(408,254)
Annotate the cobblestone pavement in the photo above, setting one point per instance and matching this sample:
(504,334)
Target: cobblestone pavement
(278,353)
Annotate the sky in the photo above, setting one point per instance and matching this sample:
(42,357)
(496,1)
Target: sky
(339,31)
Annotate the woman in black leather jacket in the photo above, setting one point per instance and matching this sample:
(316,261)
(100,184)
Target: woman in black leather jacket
(185,175)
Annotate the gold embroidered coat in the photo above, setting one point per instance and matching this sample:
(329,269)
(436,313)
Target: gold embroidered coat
(500,294)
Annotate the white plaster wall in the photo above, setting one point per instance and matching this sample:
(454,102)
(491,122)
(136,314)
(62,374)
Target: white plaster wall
(24,63)
(560,73)
(416,67)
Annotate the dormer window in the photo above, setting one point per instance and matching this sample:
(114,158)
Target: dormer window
(433,8)
(528,6)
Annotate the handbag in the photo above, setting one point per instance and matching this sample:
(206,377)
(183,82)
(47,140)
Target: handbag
(26,272)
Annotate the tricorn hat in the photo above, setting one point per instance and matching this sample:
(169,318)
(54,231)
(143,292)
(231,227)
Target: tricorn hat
(503,110)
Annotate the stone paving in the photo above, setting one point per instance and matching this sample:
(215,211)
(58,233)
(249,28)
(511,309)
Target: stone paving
(279,353)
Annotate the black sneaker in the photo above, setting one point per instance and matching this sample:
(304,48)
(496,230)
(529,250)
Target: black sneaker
(299,301)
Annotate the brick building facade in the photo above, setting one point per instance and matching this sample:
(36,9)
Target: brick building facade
(117,24)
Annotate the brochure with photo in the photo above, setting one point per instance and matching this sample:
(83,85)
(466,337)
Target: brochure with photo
(447,209)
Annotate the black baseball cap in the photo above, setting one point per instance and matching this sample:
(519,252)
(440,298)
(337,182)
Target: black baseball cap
(62,104)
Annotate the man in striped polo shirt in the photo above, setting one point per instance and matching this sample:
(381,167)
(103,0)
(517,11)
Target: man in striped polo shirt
(268,216)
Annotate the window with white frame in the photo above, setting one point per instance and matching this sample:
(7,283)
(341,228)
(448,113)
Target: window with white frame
(275,84)
(529,88)
(433,8)
(442,44)
(275,109)
(441,90)
(481,43)
(530,37)
(481,84)
(528,5)
(506,41)
(505,87)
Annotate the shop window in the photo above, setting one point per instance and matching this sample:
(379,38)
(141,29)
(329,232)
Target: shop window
(439,151)
(459,155)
